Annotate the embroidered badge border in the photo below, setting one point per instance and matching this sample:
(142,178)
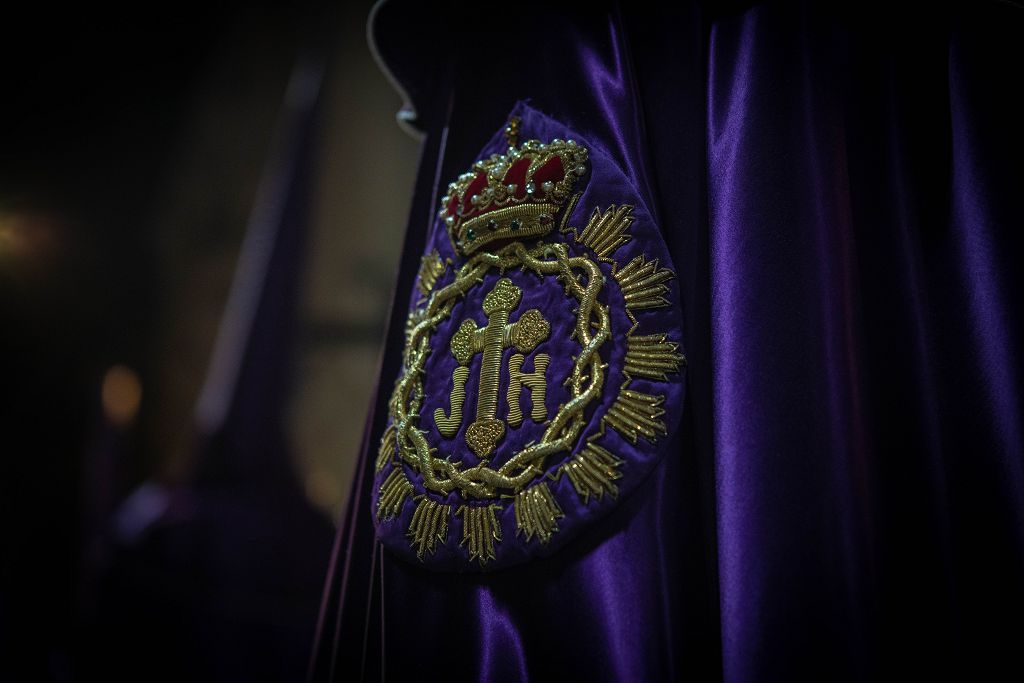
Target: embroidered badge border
(482,200)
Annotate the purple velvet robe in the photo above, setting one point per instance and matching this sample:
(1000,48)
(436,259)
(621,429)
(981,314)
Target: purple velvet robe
(839,192)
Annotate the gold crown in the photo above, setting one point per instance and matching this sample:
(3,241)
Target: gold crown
(513,195)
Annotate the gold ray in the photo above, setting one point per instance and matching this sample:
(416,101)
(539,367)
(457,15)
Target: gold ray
(392,495)
(634,413)
(387,448)
(394,401)
(606,232)
(570,206)
(652,355)
(537,513)
(415,317)
(593,472)
(642,283)
(480,529)
(428,526)
(431,268)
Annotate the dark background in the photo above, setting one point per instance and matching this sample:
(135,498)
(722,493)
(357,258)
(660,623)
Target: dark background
(135,542)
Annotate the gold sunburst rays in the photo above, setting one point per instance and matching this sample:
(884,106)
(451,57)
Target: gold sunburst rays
(570,206)
(643,284)
(537,513)
(635,414)
(593,472)
(431,268)
(393,492)
(607,230)
(652,356)
(428,526)
(641,281)
(415,317)
(387,448)
(480,531)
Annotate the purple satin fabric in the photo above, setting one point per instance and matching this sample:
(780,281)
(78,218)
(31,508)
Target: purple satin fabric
(845,497)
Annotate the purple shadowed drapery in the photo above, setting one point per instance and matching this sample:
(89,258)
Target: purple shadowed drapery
(215,579)
(839,191)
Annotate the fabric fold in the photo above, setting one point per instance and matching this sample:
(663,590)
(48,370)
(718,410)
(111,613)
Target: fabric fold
(844,499)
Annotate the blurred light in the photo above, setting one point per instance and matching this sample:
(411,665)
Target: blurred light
(322,489)
(31,239)
(121,395)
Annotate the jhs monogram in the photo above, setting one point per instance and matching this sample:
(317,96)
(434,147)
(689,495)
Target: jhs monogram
(484,433)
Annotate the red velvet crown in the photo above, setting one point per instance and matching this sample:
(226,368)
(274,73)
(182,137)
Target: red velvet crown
(512,195)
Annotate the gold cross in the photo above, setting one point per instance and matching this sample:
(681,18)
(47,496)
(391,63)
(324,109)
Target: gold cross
(498,334)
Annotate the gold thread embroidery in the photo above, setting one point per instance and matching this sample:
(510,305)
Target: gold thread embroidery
(499,208)
(480,529)
(485,432)
(634,413)
(642,283)
(393,403)
(592,329)
(501,212)
(535,381)
(531,329)
(593,473)
(428,526)
(563,226)
(392,495)
(415,317)
(431,268)
(652,356)
(537,513)
(466,342)
(530,220)
(607,231)
(449,424)
(387,448)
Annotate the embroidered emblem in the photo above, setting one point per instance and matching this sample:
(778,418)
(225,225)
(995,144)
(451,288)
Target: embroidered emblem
(527,357)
